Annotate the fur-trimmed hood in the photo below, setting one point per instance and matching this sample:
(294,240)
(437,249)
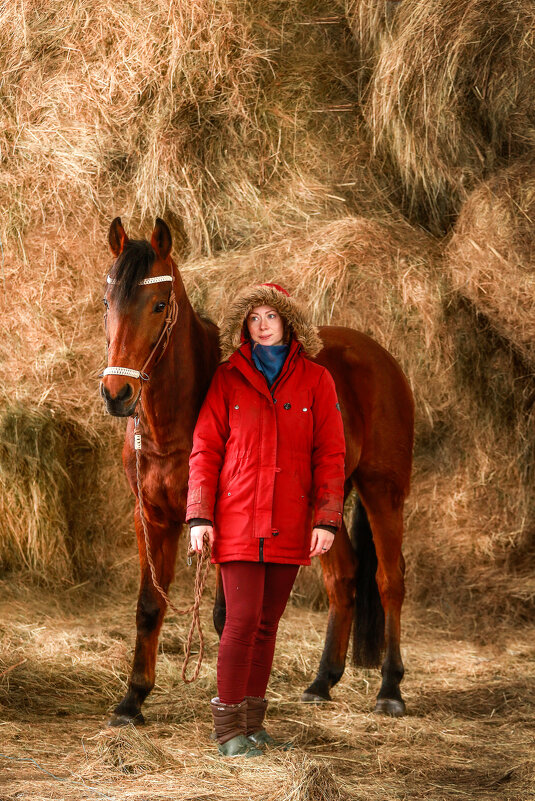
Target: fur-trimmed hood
(230,335)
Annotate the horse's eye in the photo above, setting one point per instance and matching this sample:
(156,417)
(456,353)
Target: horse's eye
(160,306)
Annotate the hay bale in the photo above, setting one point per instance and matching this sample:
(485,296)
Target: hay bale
(33,465)
(51,505)
(62,490)
(473,480)
(452,95)
(491,261)
(239,119)
(491,254)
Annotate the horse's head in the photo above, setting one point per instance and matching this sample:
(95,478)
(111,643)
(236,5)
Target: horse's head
(139,313)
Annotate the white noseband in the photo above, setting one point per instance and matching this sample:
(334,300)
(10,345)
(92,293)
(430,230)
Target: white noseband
(125,371)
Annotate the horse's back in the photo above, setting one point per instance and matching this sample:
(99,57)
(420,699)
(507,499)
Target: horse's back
(376,400)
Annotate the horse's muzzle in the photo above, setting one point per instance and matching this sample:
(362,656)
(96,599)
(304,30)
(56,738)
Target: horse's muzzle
(122,404)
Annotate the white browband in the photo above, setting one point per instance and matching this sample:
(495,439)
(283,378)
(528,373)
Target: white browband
(156,279)
(125,371)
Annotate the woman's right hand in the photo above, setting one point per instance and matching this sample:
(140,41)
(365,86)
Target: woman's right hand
(197,537)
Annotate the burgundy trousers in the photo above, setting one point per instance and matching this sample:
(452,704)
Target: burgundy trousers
(256,594)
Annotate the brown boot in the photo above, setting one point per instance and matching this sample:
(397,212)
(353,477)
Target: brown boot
(230,722)
(256,710)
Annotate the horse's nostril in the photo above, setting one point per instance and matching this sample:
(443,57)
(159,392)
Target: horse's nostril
(125,393)
(104,391)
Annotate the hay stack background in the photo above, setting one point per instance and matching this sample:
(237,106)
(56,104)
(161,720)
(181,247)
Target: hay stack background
(451,95)
(241,124)
(492,254)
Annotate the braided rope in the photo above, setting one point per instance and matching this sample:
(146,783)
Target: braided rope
(203,568)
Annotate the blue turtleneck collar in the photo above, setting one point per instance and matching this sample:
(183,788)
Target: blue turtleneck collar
(269,359)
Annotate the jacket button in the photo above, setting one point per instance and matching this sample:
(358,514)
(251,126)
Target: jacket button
(236,407)
(274,400)
(305,409)
(287,405)
(275,533)
(228,493)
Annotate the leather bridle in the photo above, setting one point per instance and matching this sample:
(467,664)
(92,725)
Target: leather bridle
(164,337)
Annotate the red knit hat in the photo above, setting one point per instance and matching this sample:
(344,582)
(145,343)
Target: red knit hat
(279,288)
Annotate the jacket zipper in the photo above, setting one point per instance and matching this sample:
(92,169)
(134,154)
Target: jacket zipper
(272,389)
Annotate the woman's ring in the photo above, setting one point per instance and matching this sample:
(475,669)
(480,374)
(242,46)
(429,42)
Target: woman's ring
(324,549)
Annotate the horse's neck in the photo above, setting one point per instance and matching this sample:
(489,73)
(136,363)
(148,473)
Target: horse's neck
(172,397)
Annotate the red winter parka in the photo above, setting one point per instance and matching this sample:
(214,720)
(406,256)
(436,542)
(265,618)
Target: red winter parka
(267,464)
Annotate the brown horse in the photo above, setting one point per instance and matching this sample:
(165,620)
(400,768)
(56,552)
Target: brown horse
(160,366)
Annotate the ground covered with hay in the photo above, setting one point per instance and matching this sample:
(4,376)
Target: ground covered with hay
(468,733)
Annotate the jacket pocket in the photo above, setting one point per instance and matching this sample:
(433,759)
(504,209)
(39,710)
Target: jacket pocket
(295,420)
(234,472)
(302,476)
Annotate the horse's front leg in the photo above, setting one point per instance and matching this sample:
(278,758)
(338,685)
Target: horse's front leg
(339,566)
(220,608)
(163,541)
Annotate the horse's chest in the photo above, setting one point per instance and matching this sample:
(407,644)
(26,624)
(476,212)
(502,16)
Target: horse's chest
(163,481)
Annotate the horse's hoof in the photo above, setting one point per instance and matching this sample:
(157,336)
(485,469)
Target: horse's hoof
(391,707)
(313,698)
(122,719)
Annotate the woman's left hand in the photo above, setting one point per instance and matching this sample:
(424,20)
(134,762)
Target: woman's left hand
(321,542)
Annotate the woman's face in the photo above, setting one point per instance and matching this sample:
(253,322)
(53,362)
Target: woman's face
(265,326)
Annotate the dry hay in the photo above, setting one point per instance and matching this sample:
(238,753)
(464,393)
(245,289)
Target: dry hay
(43,457)
(62,498)
(473,506)
(451,96)
(370,22)
(132,751)
(490,339)
(468,732)
(492,254)
(238,118)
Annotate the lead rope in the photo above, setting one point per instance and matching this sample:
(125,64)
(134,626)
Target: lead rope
(203,568)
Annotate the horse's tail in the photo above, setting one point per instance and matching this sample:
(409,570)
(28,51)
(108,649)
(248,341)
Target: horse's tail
(369,619)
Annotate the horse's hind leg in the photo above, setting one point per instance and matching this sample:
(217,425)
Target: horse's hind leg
(384,506)
(149,617)
(339,576)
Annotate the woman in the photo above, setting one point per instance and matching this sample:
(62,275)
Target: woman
(266,486)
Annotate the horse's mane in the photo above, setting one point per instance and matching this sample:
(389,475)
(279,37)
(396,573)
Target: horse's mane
(131,267)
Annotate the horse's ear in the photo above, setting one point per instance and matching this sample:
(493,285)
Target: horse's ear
(161,239)
(117,237)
